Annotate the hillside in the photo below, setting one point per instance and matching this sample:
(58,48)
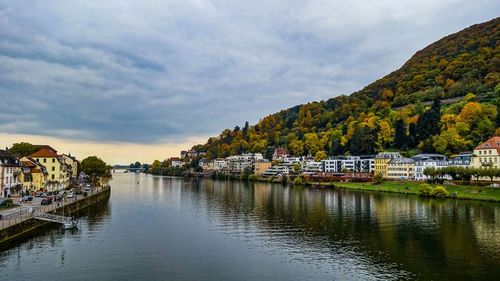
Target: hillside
(444,99)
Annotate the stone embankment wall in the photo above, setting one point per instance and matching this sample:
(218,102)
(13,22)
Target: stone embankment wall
(25,227)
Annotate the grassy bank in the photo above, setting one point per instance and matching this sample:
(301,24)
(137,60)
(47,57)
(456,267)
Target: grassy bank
(462,191)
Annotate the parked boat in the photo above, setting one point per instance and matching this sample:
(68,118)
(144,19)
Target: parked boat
(70,224)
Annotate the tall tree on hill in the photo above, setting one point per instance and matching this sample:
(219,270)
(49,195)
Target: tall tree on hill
(400,138)
(428,122)
(363,141)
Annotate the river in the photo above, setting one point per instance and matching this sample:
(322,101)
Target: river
(162,228)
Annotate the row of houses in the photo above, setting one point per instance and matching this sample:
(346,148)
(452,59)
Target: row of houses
(43,170)
(391,165)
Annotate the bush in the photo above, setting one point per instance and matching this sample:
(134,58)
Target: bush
(252,177)
(284,179)
(378,179)
(297,181)
(425,190)
(440,191)
(7,203)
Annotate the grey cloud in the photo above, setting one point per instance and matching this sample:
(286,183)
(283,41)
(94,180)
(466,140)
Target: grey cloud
(146,71)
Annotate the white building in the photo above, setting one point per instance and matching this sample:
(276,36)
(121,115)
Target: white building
(290,161)
(238,163)
(220,164)
(10,170)
(423,161)
(357,164)
(311,167)
(277,170)
(461,160)
(176,162)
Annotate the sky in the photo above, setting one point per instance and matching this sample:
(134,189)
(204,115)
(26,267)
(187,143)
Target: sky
(141,80)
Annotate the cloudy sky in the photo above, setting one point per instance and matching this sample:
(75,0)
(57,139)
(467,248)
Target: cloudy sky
(142,79)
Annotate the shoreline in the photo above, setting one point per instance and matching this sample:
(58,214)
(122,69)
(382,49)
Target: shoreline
(26,225)
(462,192)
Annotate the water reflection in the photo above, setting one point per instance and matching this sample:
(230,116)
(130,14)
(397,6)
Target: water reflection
(162,228)
(384,234)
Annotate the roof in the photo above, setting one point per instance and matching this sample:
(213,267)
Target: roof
(5,154)
(280,150)
(429,157)
(401,161)
(492,143)
(46,146)
(45,152)
(388,155)
(8,159)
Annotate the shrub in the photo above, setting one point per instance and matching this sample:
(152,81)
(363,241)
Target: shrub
(378,178)
(252,177)
(425,190)
(440,191)
(284,179)
(297,181)
(7,203)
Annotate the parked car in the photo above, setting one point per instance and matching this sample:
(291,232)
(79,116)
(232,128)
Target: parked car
(46,201)
(87,189)
(45,194)
(39,194)
(59,197)
(27,198)
(70,195)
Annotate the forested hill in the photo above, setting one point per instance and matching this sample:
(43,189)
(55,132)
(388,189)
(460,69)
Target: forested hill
(444,99)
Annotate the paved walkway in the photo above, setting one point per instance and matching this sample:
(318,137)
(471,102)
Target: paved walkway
(27,210)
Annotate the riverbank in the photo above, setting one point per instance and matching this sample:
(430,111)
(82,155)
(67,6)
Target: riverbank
(19,227)
(456,191)
(468,192)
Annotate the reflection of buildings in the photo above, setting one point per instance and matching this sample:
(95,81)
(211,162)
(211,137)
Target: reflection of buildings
(378,228)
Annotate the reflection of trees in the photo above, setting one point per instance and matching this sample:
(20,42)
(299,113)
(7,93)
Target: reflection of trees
(434,239)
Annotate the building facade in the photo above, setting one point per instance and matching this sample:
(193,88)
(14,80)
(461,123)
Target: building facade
(261,166)
(423,161)
(10,170)
(381,161)
(34,175)
(400,169)
(487,154)
(56,168)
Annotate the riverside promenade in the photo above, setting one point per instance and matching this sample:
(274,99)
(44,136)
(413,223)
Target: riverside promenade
(20,221)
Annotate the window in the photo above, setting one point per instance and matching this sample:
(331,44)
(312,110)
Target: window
(53,177)
(53,160)
(53,168)
(44,160)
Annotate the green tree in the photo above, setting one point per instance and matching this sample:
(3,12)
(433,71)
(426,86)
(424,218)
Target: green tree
(428,122)
(400,137)
(95,167)
(23,149)
(320,155)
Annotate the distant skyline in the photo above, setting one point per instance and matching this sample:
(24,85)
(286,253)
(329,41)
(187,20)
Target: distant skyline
(141,80)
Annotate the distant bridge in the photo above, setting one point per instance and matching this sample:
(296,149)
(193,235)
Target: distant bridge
(136,170)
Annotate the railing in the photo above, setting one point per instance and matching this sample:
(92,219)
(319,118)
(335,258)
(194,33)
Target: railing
(29,213)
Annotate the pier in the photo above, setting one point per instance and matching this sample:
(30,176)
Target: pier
(52,218)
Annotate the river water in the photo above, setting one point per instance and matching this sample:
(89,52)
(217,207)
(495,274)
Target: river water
(161,228)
